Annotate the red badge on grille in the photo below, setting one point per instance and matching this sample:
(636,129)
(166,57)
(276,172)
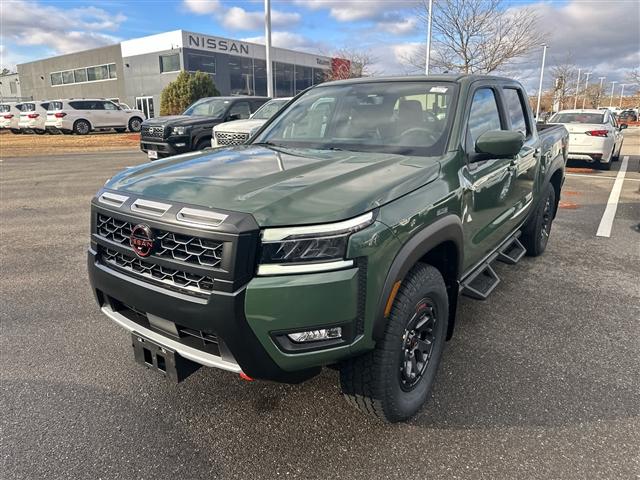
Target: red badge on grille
(142,240)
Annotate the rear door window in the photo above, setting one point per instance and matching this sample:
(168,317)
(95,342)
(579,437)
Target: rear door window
(483,117)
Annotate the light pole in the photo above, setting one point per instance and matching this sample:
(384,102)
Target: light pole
(586,85)
(267,44)
(621,93)
(613,87)
(544,55)
(427,60)
(600,91)
(575,100)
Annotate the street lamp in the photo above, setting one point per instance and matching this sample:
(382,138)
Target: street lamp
(575,101)
(267,44)
(622,93)
(426,67)
(600,91)
(613,87)
(544,55)
(586,85)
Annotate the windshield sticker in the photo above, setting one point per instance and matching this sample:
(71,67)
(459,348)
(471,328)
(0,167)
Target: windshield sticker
(438,89)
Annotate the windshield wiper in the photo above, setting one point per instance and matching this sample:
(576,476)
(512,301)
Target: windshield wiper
(269,144)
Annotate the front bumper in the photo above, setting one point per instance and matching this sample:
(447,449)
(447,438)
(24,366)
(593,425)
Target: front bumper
(248,317)
(167,147)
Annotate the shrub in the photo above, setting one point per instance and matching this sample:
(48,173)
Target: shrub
(184,90)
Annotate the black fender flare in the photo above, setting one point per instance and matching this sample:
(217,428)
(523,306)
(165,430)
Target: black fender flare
(445,229)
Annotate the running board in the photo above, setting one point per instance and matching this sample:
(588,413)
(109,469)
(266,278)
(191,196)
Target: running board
(512,252)
(481,284)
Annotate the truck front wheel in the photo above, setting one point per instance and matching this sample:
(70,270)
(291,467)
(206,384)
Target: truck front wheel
(393,381)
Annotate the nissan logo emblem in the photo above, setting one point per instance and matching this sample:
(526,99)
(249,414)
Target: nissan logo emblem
(142,240)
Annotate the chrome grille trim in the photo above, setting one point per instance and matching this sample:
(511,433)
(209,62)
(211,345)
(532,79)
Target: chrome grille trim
(200,218)
(147,207)
(231,138)
(113,199)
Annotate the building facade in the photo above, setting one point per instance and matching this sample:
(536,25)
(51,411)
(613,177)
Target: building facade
(136,71)
(10,87)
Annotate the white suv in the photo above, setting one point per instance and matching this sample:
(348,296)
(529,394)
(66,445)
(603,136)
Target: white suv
(32,117)
(81,116)
(10,116)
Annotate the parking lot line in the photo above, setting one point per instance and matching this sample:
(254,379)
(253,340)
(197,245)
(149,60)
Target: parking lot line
(604,229)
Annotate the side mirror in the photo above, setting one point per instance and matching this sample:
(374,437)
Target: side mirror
(623,126)
(499,144)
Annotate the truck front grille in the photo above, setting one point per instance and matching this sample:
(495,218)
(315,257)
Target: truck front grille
(152,132)
(171,277)
(185,248)
(230,138)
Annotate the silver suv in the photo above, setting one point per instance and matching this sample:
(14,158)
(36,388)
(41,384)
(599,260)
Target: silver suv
(81,116)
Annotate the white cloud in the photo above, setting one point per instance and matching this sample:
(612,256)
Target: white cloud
(401,27)
(353,10)
(203,6)
(63,31)
(293,41)
(237,18)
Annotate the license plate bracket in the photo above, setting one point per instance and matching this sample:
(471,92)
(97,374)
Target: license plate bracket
(161,359)
(153,154)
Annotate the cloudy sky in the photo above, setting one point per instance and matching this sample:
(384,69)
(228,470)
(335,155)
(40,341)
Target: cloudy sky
(601,36)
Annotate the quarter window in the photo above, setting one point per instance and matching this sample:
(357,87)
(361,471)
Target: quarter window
(484,115)
(515,110)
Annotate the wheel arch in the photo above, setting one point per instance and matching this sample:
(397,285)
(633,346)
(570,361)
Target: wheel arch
(440,245)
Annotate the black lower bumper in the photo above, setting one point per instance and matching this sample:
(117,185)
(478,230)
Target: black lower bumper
(221,314)
(166,148)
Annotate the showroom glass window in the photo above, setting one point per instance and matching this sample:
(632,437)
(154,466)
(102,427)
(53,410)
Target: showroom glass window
(56,78)
(80,75)
(67,77)
(284,79)
(260,77)
(304,78)
(197,62)
(170,63)
(100,72)
(240,75)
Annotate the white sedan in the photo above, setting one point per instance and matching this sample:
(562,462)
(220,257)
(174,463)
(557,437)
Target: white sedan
(594,135)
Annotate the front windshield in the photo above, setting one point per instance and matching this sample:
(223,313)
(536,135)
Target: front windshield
(577,117)
(209,107)
(409,118)
(269,109)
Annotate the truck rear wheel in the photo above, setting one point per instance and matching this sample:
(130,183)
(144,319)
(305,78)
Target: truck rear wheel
(393,381)
(535,233)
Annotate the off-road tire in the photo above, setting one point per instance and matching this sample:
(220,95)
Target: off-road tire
(81,127)
(135,124)
(533,237)
(373,382)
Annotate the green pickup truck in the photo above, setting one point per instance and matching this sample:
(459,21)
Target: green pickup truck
(340,235)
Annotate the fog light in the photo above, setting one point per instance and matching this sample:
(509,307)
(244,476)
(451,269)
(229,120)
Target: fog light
(180,144)
(315,335)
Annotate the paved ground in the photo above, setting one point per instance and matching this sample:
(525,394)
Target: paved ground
(540,381)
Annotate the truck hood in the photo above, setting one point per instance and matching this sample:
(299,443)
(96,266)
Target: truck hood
(280,187)
(240,126)
(180,120)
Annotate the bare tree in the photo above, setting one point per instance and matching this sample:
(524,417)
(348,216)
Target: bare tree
(634,76)
(477,36)
(360,64)
(565,76)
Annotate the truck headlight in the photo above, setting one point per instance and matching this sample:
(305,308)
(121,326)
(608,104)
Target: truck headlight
(179,130)
(311,248)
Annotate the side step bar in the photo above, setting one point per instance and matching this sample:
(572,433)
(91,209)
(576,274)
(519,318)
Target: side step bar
(484,279)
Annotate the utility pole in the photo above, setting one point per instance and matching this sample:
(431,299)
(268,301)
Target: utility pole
(428,59)
(544,55)
(267,43)
(621,93)
(575,101)
(586,85)
(600,91)
(613,87)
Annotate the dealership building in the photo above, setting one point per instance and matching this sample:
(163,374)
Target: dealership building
(135,71)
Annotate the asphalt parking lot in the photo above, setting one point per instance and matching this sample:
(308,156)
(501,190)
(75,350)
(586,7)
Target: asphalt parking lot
(542,380)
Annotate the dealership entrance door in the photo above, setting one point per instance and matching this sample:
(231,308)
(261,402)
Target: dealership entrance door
(146,105)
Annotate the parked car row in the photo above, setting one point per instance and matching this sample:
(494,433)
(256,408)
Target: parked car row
(211,121)
(75,115)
